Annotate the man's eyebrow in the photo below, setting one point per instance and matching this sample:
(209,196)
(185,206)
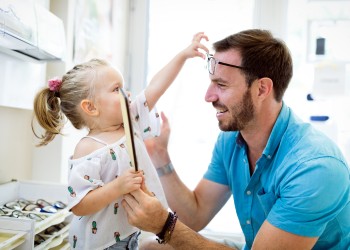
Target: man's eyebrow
(218,79)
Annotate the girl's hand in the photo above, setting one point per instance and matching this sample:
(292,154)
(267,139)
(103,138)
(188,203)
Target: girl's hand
(145,189)
(193,50)
(129,181)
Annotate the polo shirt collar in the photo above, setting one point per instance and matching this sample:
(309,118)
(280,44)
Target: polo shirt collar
(277,132)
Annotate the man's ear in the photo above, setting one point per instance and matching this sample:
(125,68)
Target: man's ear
(265,87)
(88,107)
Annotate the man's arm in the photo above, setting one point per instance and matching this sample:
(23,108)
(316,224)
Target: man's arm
(195,208)
(271,237)
(186,239)
(148,214)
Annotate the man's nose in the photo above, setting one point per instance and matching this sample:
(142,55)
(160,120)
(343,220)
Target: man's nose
(210,95)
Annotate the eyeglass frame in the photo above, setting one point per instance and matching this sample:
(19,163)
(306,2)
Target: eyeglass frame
(210,57)
(38,208)
(17,204)
(41,204)
(3,212)
(19,213)
(38,239)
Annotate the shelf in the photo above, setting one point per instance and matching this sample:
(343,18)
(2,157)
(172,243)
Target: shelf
(53,240)
(52,219)
(10,239)
(63,246)
(21,233)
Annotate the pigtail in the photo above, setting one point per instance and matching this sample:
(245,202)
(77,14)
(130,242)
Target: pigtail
(62,98)
(48,114)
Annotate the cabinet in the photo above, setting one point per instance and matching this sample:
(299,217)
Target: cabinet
(23,233)
(30,29)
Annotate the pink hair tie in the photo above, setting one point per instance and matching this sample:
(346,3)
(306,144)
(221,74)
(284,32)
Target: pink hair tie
(55,84)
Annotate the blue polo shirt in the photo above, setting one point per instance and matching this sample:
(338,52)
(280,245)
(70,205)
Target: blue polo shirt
(301,183)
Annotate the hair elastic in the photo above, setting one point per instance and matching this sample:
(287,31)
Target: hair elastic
(55,84)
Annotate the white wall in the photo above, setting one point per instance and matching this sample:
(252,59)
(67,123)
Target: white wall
(16,143)
(21,79)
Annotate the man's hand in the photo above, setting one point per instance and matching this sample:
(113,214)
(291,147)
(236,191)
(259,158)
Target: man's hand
(145,211)
(157,147)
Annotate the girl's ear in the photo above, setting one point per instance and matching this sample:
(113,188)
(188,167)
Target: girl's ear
(88,107)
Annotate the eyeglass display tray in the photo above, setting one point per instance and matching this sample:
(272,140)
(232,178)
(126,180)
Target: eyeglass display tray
(58,239)
(19,233)
(9,239)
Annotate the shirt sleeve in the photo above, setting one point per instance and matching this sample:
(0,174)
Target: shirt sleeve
(146,123)
(83,177)
(311,196)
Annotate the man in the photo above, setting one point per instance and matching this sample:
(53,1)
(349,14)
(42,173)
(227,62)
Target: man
(290,183)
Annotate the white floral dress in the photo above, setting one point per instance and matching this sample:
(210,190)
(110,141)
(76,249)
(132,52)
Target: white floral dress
(109,225)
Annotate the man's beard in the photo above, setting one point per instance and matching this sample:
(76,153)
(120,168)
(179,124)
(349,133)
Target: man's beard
(242,114)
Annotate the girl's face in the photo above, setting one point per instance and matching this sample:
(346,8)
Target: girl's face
(107,86)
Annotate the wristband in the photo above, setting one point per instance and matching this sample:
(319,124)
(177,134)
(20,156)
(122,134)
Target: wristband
(165,235)
(167,169)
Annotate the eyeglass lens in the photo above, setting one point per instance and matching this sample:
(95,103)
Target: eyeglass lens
(211,64)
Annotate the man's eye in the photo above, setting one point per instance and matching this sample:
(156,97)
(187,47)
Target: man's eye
(221,85)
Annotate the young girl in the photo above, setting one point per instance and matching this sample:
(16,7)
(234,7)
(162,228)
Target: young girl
(99,170)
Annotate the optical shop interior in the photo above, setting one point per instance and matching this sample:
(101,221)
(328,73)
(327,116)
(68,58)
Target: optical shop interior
(40,40)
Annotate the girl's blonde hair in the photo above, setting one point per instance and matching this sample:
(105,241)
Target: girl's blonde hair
(51,107)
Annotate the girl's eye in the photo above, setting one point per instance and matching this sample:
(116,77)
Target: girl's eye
(116,89)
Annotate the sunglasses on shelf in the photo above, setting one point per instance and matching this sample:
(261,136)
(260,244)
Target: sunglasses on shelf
(38,239)
(54,228)
(20,214)
(40,205)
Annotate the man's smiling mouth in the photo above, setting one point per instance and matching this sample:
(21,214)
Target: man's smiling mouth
(220,111)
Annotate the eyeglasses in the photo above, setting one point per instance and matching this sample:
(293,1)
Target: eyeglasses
(19,214)
(17,204)
(55,228)
(212,63)
(3,212)
(38,239)
(56,204)
(39,206)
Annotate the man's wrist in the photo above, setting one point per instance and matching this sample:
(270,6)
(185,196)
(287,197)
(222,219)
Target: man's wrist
(165,170)
(165,235)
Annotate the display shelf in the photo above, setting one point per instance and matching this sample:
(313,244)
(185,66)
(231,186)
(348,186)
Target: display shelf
(53,240)
(21,233)
(52,219)
(10,239)
(63,246)
(18,225)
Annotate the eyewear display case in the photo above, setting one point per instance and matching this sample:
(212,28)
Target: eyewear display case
(35,229)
